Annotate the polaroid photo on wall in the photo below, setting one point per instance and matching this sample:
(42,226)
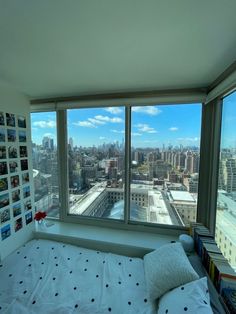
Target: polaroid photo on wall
(4,200)
(12,152)
(26,191)
(2,118)
(25,178)
(3,153)
(16,209)
(28,205)
(22,136)
(2,135)
(5,232)
(18,224)
(15,196)
(24,164)
(23,151)
(3,184)
(5,215)
(21,122)
(11,135)
(3,168)
(15,181)
(13,166)
(28,218)
(10,118)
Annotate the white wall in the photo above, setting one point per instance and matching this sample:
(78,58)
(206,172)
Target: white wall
(17,104)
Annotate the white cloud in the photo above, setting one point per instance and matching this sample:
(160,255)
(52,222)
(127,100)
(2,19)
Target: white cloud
(189,139)
(145,128)
(136,134)
(85,124)
(173,128)
(49,135)
(101,138)
(113,110)
(107,119)
(95,121)
(45,124)
(117,131)
(150,110)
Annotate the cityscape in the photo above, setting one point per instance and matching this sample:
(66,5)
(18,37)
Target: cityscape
(164,179)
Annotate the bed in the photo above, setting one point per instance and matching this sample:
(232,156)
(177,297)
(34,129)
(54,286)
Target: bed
(45,276)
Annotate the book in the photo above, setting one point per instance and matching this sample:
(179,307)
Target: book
(229,297)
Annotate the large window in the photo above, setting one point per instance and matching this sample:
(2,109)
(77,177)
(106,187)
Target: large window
(226,202)
(138,159)
(96,148)
(45,165)
(165,163)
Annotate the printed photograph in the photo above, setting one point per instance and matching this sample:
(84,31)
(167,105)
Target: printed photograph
(4,200)
(10,118)
(28,205)
(2,135)
(12,152)
(15,181)
(3,184)
(21,122)
(18,224)
(26,191)
(28,218)
(15,195)
(24,164)
(11,135)
(2,118)
(13,166)
(25,178)
(16,209)
(5,215)
(23,151)
(6,232)
(3,167)
(22,136)
(3,154)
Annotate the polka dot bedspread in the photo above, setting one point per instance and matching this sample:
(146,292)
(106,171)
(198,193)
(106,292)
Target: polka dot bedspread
(46,276)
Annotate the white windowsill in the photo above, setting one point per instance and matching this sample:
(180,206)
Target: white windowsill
(113,240)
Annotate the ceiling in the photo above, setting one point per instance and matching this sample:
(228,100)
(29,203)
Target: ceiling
(75,47)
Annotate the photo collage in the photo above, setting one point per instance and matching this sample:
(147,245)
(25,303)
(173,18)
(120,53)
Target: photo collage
(15,190)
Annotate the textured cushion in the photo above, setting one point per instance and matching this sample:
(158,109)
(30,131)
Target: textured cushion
(166,268)
(191,298)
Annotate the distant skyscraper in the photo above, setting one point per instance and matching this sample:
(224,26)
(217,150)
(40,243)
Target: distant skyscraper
(71,142)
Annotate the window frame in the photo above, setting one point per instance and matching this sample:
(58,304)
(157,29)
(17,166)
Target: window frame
(207,217)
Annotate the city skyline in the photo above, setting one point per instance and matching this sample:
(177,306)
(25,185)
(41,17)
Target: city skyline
(151,126)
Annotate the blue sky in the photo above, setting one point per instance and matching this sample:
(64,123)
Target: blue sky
(152,126)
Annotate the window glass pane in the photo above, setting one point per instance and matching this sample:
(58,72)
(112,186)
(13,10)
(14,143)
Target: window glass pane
(45,165)
(96,162)
(226,201)
(165,163)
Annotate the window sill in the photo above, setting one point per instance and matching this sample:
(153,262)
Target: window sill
(132,243)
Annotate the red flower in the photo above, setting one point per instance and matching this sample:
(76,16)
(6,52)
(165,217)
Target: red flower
(40,215)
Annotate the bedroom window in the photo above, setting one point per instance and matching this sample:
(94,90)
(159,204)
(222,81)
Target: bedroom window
(165,154)
(96,149)
(45,164)
(226,200)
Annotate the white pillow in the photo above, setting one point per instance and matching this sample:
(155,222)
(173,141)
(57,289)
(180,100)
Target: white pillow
(166,268)
(191,298)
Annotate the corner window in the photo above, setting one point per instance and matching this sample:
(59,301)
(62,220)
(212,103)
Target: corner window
(45,164)
(226,200)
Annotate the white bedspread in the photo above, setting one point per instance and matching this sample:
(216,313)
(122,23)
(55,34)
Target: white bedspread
(52,277)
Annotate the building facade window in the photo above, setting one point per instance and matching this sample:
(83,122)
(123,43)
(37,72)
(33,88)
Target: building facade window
(226,200)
